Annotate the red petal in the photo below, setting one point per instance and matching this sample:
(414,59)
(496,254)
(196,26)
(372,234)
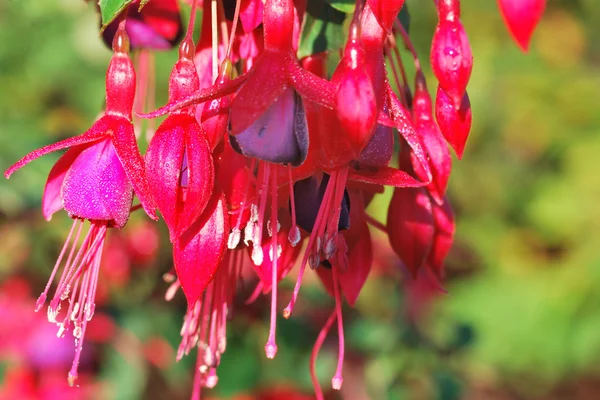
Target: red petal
(198,252)
(521,17)
(360,260)
(133,163)
(406,128)
(200,179)
(385,11)
(385,176)
(163,167)
(265,84)
(210,93)
(52,201)
(444,236)
(311,87)
(410,226)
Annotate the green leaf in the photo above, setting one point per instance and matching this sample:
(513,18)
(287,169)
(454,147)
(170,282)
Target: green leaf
(323,29)
(345,6)
(110,9)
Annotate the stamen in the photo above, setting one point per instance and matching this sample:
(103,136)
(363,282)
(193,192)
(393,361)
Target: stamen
(257,252)
(315,352)
(42,299)
(294,234)
(271,346)
(308,255)
(337,380)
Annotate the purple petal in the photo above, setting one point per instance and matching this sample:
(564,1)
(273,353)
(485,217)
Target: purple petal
(280,135)
(378,151)
(96,186)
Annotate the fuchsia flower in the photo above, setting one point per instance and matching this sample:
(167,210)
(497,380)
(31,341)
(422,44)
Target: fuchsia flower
(263,153)
(94,180)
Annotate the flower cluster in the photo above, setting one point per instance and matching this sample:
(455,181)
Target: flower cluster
(266,161)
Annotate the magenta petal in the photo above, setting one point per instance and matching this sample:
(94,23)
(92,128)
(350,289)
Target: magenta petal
(52,201)
(201,176)
(96,186)
(133,163)
(96,132)
(198,252)
(142,35)
(163,167)
(251,12)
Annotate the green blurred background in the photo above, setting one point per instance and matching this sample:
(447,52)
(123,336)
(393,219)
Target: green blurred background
(522,316)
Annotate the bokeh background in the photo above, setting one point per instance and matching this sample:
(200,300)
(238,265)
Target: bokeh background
(521,319)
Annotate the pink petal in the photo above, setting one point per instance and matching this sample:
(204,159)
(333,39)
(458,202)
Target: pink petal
(251,12)
(198,251)
(96,186)
(133,163)
(410,226)
(163,167)
(51,201)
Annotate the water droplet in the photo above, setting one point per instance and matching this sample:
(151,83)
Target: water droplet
(294,236)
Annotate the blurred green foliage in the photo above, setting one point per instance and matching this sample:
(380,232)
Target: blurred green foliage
(522,317)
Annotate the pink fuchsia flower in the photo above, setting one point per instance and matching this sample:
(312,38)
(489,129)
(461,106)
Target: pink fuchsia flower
(521,18)
(94,180)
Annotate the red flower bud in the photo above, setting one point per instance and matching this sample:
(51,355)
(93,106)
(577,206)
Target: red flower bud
(451,58)
(410,225)
(454,123)
(521,18)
